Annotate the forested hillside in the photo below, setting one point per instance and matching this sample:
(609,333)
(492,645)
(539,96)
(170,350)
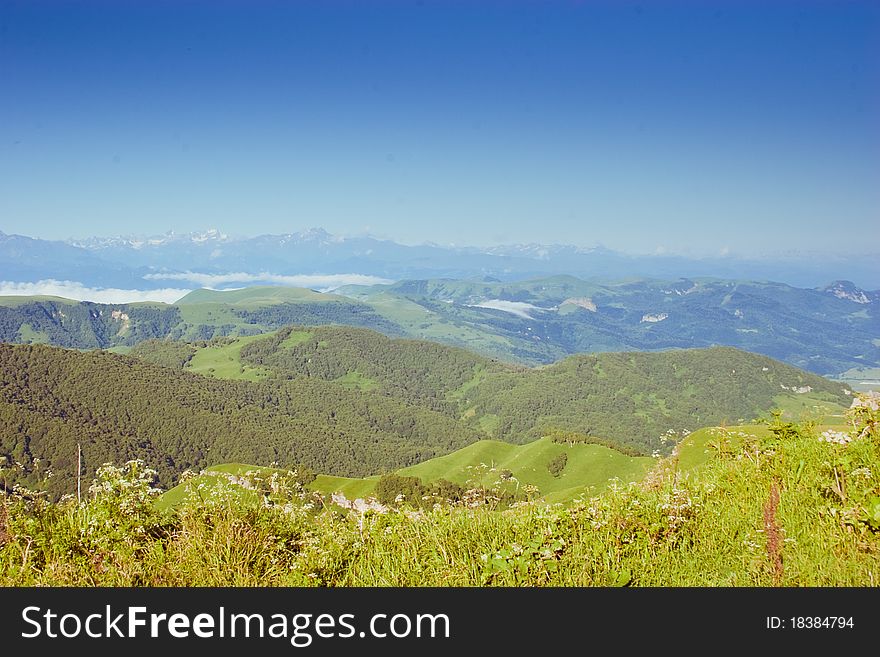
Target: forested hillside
(412,370)
(351,402)
(169,353)
(200,315)
(121,408)
(84,325)
(632,398)
(625,400)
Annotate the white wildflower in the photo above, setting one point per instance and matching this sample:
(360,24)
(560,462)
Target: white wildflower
(835,437)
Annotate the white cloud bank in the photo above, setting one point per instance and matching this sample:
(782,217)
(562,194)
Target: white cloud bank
(321,282)
(79,292)
(518,308)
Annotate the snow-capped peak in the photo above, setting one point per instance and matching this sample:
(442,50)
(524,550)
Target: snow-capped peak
(141,241)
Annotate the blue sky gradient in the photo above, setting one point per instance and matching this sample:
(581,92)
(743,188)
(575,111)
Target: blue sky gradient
(684,127)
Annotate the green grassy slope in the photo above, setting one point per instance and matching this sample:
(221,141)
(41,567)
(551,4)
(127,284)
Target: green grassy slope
(590,468)
(809,409)
(702,445)
(788,510)
(209,480)
(427,323)
(351,487)
(16,301)
(223,361)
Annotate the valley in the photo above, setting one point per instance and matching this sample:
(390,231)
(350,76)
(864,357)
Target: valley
(351,402)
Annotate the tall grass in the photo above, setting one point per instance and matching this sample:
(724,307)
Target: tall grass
(792,508)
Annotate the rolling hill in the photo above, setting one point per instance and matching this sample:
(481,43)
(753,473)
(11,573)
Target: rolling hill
(345,401)
(588,470)
(200,315)
(829,331)
(825,331)
(83,325)
(416,370)
(632,398)
(624,400)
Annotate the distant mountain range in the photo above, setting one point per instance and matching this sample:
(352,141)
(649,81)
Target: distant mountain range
(531,304)
(203,258)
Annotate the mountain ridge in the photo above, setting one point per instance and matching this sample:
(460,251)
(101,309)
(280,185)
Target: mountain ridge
(126,260)
(829,331)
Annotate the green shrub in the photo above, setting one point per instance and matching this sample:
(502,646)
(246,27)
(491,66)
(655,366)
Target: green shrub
(557,464)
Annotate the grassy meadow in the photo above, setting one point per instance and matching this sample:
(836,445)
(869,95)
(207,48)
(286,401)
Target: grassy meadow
(787,505)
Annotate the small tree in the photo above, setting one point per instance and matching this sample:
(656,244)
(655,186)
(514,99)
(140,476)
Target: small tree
(391,487)
(557,464)
(447,490)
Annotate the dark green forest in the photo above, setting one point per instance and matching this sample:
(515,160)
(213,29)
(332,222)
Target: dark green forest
(351,313)
(624,400)
(621,400)
(168,353)
(629,399)
(416,371)
(352,402)
(121,408)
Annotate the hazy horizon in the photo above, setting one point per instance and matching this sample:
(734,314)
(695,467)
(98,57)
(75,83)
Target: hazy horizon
(859,250)
(648,128)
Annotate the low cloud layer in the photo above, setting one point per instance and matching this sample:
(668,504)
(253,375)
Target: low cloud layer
(321,282)
(79,292)
(518,308)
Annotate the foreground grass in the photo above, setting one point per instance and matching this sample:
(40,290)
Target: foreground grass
(784,508)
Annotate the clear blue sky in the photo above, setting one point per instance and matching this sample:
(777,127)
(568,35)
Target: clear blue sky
(685,126)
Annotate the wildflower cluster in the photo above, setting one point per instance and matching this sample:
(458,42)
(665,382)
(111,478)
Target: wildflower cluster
(867,400)
(851,482)
(835,437)
(671,436)
(678,507)
(864,414)
(129,486)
